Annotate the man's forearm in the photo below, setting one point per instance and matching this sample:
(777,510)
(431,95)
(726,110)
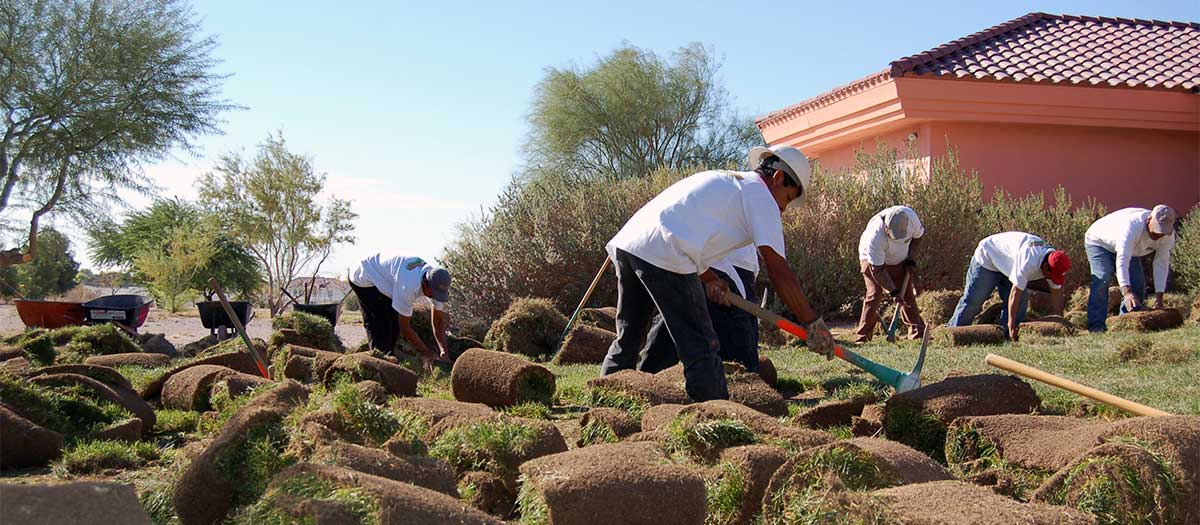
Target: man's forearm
(913,247)
(411,336)
(785,283)
(439,329)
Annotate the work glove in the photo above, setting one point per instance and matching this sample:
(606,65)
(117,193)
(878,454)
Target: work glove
(819,338)
(909,264)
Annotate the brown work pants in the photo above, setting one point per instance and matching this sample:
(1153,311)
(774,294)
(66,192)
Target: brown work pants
(874,298)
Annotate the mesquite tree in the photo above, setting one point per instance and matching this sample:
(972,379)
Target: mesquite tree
(89,90)
(271,204)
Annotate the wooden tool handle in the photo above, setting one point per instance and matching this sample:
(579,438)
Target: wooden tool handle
(586,296)
(1025,370)
(237,324)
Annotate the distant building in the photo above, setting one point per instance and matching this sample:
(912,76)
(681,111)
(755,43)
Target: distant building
(325,289)
(1105,107)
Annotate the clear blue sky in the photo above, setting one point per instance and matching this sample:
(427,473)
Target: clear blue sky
(416,110)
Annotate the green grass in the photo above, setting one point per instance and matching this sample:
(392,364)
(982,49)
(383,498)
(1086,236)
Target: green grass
(1115,493)
(968,453)
(490,446)
(596,432)
(360,505)
(68,410)
(603,397)
(101,339)
(531,505)
(175,421)
(723,495)
(703,440)
(250,464)
(917,429)
(95,456)
(140,376)
(529,409)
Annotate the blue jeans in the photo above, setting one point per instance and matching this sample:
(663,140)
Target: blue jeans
(1104,268)
(978,288)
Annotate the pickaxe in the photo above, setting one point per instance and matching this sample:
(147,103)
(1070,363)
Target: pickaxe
(890,331)
(901,381)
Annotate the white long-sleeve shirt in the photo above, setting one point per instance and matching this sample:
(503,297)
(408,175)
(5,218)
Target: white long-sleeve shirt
(1124,233)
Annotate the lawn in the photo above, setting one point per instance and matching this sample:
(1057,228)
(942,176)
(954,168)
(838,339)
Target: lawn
(1161,369)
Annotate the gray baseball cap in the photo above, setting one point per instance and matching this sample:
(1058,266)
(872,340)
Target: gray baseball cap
(896,221)
(1162,220)
(439,282)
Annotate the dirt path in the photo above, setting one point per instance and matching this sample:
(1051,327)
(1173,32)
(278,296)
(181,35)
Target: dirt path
(185,328)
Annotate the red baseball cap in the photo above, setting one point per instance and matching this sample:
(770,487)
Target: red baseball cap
(1059,263)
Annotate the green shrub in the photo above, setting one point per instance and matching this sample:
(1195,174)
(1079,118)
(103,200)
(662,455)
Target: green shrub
(1185,257)
(93,456)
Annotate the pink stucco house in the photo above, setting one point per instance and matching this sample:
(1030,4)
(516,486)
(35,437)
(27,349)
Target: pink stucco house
(1106,107)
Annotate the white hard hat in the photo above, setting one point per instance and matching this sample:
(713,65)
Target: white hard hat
(796,161)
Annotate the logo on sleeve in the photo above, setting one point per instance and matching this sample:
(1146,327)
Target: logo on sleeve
(414,263)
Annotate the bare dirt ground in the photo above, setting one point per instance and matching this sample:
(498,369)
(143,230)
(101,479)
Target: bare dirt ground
(185,327)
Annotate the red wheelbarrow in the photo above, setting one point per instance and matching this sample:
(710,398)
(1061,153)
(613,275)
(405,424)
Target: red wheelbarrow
(49,314)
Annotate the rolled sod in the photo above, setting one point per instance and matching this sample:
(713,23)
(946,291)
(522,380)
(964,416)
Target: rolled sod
(472,444)
(618,421)
(628,483)
(659,418)
(24,443)
(530,326)
(488,492)
(157,344)
(104,374)
(129,430)
(1175,439)
(1146,321)
(586,345)
(744,387)
(754,465)
(957,502)
(1047,328)
(1120,482)
(834,413)
(919,417)
(398,381)
(17,366)
(11,352)
(190,388)
(220,478)
(500,379)
(125,398)
(1025,441)
(439,409)
(655,389)
(990,314)
(856,465)
(372,391)
(306,364)
(433,474)
(142,359)
(330,494)
(979,334)
(766,370)
(239,361)
(74,502)
(604,318)
(938,305)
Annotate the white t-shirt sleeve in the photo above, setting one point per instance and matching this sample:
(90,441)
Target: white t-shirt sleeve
(766,223)
(1024,265)
(402,302)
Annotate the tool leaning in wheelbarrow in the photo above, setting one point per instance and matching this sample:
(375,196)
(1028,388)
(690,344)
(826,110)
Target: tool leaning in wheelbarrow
(901,381)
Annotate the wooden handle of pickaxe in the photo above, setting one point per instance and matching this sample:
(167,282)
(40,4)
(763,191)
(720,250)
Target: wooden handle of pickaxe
(237,324)
(1025,370)
(582,302)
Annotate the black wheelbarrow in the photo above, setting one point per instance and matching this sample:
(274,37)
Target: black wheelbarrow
(127,311)
(214,318)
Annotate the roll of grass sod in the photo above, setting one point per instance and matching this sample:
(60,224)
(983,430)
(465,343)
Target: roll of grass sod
(499,379)
(765,428)
(604,318)
(585,344)
(102,392)
(1043,328)
(918,418)
(190,388)
(498,445)
(239,361)
(438,409)
(1045,443)
(24,443)
(735,487)
(857,465)
(304,329)
(766,370)
(602,424)
(628,483)
(145,360)
(431,473)
(304,364)
(745,387)
(488,492)
(41,418)
(655,389)
(530,326)
(1146,321)
(938,305)
(834,413)
(980,334)
(234,469)
(398,380)
(952,502)
(107,375)
(1119,482)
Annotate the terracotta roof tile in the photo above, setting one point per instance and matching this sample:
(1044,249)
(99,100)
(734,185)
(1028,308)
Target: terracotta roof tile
(1041,48)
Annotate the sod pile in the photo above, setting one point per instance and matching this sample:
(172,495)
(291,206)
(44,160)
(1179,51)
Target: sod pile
(304,329)
(856,465)
(499,379)
(628,483)
(144,360)
(585,344)
(920,416)
(1146,321)
(530,326)
(979,334)
(655,389)
(234,469)
(398,381)
(937,306)
(314,493)
(604,318)
(433,474)
(74,502)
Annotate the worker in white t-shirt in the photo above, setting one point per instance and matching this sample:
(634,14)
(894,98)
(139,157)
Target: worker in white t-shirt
(663,254)
(736,329)
(1115,245)
(387,288)
(885,254)
(1010,263)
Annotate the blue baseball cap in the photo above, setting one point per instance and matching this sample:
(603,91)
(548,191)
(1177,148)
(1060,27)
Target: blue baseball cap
(439,282)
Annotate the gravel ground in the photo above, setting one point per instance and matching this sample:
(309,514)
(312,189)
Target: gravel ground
(184,328)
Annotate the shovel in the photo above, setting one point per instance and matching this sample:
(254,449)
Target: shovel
(241,330)
(901,381)
(891,329)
